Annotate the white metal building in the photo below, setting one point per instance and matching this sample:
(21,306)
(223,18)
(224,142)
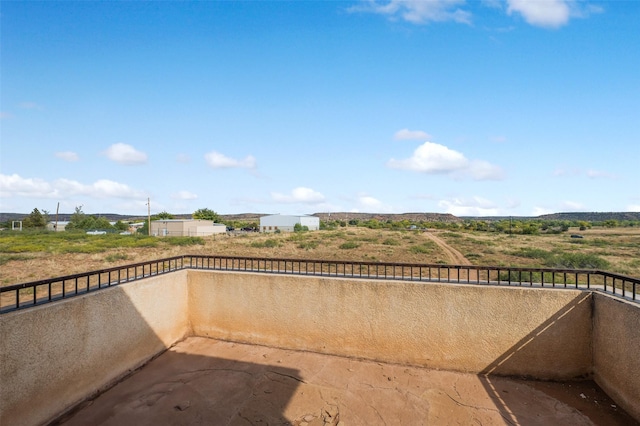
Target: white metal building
(186,228)
(286,223)
(62,225)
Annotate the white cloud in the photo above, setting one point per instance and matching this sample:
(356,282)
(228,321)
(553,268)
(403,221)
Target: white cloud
(11,185)
(417,11)
(433,158)
(125,154)
(539,211)
(475,206)
(598,174)
(184,195)
(369,202)
(220,161)
(67,156)
(571,206)
(550,13)
(406,134)
(299,195)
(15,185)
(633,208)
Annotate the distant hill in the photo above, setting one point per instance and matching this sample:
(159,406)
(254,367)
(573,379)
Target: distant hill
(412,217)
(592,216)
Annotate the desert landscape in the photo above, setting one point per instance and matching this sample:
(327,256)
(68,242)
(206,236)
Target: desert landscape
(28,257)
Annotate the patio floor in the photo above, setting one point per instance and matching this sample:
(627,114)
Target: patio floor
(206,381)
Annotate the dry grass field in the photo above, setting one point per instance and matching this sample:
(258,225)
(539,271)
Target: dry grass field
(30,258)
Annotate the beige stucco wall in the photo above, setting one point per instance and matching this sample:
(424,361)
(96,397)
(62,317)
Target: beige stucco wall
(55,355)
(531,332)
(616,342)
(58,354)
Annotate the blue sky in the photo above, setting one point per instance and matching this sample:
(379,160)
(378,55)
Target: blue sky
(494,107)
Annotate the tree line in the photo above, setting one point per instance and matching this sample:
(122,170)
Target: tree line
(79,221)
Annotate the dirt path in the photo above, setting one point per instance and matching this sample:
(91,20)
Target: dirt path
(455,257)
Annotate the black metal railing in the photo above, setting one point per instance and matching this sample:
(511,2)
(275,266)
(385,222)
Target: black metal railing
(35,293)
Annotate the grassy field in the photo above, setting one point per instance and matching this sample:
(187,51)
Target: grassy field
(27,257)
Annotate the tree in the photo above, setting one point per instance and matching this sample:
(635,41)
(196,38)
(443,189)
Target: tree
(163,215)
(121,226)
(34,220)
(206,214)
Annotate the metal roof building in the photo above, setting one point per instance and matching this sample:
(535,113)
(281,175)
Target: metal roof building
(186,228)
(287,223)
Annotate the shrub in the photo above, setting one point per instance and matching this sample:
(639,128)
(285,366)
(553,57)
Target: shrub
(308,245)
(391,242)
(577,261)
(115,257)
(349,245)
(184,241)
(270,243)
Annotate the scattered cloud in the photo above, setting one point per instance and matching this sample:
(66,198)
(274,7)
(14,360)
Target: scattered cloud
(15,185)
(498,139)
(474,206)
(406,134)
(539,13)
(299,195)
(5,115)
(571,206)
(433,158)
(184,195)
(598,174)
(67,156)
(417,11)
(550,13)
(539,211)
(220,161)
(125,154)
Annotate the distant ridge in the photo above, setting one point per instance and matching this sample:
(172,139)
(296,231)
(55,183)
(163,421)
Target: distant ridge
(412,217)
(592,216)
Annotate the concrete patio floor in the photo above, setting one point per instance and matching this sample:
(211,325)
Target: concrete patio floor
(204,381)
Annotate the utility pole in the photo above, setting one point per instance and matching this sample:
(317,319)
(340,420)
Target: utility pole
(149,215)
(55,228)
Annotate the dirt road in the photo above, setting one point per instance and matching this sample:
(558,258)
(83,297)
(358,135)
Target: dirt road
(455,257)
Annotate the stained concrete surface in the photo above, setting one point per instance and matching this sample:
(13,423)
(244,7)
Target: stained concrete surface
(206,381)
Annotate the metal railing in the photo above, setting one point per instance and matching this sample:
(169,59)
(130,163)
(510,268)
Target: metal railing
(35,293)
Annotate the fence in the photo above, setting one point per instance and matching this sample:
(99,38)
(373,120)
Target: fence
(35,293)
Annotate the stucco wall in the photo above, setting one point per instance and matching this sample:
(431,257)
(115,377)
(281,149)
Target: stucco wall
(531,332)
(58,354)
(55,355)
(616,342)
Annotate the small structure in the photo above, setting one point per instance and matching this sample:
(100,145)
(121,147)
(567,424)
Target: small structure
(287,223)
(186,228)
(61,225)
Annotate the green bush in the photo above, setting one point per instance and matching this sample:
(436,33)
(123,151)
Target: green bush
(184,241)
(577,261)
(116,257)
(349,245)
(308,245)
(270,243)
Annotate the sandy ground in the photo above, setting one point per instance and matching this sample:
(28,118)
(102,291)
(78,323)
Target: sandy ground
(204,381)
